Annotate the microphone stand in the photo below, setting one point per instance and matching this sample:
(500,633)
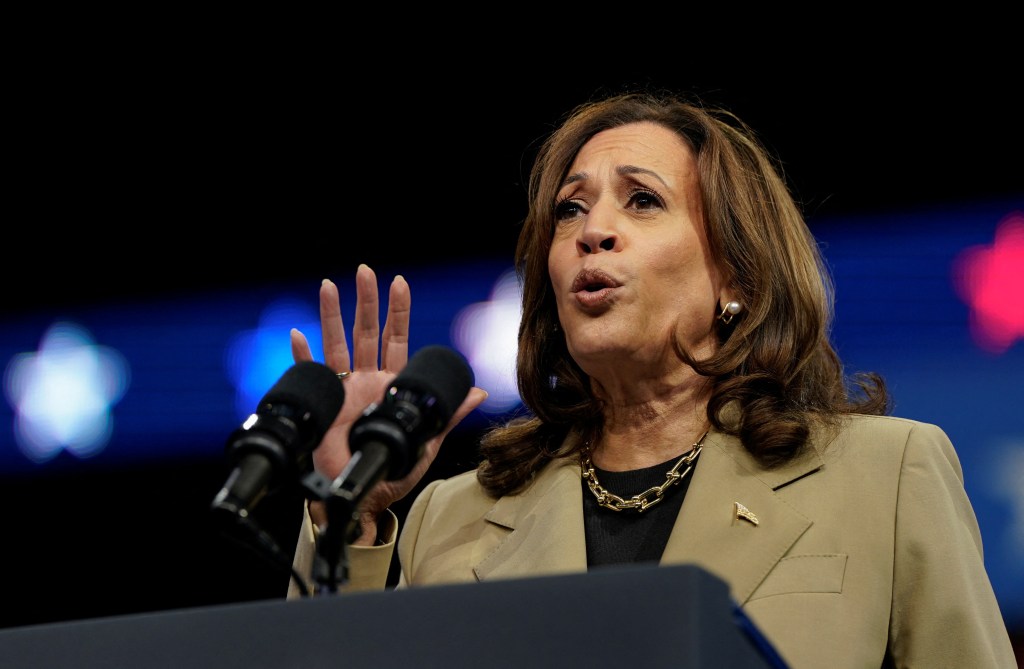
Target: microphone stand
(341,498)
(330,561)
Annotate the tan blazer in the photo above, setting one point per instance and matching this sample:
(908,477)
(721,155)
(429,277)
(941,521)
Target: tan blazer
(866,548)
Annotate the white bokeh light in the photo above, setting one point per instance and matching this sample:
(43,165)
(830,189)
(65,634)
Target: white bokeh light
(63,393)
(487,334)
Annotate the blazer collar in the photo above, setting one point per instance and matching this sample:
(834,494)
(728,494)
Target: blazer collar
(546,534)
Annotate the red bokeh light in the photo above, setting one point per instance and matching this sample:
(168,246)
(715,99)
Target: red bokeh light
(990,279)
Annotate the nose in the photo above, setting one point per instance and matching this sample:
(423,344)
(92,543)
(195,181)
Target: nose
(597,234)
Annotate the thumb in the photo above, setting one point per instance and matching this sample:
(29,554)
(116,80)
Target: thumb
(474,398)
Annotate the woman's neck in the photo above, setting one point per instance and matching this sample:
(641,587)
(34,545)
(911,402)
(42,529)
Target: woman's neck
(647,433)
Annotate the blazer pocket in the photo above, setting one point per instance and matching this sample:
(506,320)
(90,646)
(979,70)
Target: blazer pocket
(804,573)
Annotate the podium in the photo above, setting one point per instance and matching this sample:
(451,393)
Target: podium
(630,616)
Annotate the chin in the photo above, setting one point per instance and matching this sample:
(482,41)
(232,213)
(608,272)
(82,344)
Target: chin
(596,342)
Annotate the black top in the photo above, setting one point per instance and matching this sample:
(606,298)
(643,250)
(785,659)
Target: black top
(616,537)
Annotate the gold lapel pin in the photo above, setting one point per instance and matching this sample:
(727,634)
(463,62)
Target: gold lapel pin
(745,513)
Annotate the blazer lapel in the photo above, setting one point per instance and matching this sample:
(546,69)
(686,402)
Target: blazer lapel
(740,544)
(546,523)
(542,529)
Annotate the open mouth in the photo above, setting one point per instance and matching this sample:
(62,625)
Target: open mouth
(594,290)
(593,281)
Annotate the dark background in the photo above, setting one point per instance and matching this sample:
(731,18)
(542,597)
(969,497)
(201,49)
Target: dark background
(147,173)
(193,168)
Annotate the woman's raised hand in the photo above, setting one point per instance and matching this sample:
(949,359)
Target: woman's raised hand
(376,358)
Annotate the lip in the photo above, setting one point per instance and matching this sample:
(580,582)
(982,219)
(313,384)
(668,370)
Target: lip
(593,287)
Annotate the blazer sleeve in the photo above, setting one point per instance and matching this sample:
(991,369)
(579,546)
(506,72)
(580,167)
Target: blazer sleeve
(944,611)
(411,532)
(368,566)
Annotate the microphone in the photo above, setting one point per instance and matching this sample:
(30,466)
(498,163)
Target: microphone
(388,438)
(276,443)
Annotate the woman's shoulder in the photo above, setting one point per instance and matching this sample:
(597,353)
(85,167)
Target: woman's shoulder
(465,491)
(461,490)
(466,481)
(886,436)
(891,427)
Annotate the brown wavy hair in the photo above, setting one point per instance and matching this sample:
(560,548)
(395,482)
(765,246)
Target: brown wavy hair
(774,361)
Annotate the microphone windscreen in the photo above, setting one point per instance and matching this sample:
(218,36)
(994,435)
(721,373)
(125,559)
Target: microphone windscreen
(309,387)
(441,372)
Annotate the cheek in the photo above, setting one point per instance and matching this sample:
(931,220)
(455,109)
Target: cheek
(681,258)
(554,277)
(673,267)
(559,267)
(678,279)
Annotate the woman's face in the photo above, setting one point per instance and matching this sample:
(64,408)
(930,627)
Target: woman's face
(629,261)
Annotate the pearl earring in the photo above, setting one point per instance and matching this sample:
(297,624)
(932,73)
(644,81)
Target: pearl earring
(730,309)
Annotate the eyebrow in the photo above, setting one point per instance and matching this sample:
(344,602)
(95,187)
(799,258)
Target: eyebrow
(622,170)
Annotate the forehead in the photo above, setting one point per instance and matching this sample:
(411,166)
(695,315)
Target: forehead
(643,144)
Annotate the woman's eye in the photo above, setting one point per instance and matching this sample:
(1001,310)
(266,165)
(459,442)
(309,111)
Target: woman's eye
(567,209)
(645,200)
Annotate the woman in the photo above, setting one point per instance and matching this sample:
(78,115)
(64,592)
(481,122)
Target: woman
(686,406)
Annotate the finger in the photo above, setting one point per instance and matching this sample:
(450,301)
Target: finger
(474,399)
(366,330)
(332,328)
(300,347)
(394,343)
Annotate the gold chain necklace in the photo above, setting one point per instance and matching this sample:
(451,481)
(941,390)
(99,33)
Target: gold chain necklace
(647,498)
